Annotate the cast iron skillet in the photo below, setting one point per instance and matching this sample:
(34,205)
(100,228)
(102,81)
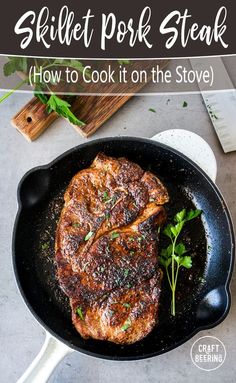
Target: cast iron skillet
(203,298)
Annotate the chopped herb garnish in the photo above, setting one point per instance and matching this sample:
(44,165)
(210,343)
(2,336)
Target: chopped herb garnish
(107,215)
(126,325)
(80,313)
(185,104)
(126,272)
(127,305)
(113,200)
(131,252)
(101,268)
(152,110)
(111,313)
(76,224)
(140,239)
(88,236)
(105,196)
(131,239)
(114,235)
(45,246)
(129,285)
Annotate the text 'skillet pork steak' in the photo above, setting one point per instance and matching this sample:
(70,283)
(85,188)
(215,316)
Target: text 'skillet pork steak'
(107,247)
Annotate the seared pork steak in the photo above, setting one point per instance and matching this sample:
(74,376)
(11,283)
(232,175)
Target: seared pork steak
(107,247)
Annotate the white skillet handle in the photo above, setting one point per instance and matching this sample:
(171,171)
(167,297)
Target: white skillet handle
(51,353)
(192,146)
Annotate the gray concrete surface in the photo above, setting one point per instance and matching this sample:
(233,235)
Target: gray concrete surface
(20,336)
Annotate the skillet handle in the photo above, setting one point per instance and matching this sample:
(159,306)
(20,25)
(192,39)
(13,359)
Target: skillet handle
(192,146)
(51,353)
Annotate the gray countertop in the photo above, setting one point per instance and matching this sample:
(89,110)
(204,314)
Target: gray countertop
(20,336)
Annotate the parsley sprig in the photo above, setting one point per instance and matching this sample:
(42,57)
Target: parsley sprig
(43,91)
(173,257)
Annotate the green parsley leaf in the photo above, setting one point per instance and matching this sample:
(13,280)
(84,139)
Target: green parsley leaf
(186,262)
(193,214)
(39,93)
(127,305)
(180,216)
(62,108)
(89,235)
(185,104)
(169,250)
(164,261)
(80,313)
(177,228)
(180,249)
(176,258)
(15,64)
(167,231)
(164,253)
(152,110)
(114,235)
(126,325)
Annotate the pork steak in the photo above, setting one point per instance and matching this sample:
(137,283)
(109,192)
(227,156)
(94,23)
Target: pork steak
(106,249)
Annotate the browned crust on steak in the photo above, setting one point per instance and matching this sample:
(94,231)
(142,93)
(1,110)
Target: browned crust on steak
(106,249)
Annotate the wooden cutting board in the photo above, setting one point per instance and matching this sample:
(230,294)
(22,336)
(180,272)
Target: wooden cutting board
(33,119)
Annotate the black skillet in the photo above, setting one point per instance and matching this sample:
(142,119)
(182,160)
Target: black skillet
(203,298)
